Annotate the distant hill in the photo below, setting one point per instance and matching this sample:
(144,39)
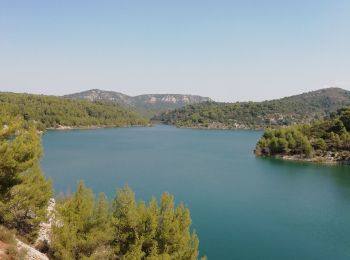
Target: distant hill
(148,104)
(301,108)
(56,112)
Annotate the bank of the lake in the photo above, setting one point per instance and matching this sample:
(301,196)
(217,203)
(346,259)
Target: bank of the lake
(326,160)
(242,206)
(92,127)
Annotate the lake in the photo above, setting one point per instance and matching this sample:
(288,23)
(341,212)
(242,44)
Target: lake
(242,207)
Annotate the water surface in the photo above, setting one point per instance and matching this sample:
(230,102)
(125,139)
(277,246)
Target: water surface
(242,207)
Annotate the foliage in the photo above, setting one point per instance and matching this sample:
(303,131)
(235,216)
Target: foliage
(284,141)
(50,111)
(287,111)
(318,138)
(151,231)
(24,192)
(83,226)
(7,236)
(87,229)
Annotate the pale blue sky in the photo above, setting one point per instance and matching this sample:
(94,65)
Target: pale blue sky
(228,50)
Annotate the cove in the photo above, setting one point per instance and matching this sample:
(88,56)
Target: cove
(242,207)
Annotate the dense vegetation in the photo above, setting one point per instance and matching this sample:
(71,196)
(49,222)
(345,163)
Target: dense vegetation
(24,192)
(322,140)
(83,227)
(50,111)
(124,230)
(302,108)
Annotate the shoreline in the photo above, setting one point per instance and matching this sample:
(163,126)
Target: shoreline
(93,127)
(219,127)
(316,160)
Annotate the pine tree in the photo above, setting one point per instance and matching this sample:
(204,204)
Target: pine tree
(83,228)
(24,192)
(125,222)
(150,231)
(100,234)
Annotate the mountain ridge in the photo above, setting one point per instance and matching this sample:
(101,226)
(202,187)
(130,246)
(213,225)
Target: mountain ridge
(146,101)
(147,105)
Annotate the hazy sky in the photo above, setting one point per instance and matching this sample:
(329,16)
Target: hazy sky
(228,50)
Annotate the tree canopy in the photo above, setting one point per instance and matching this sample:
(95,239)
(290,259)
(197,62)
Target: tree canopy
(87,228)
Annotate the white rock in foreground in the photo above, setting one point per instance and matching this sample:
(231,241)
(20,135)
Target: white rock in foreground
(31,253)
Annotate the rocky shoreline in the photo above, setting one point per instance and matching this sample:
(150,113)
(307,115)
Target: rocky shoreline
(328,159)
(219,126)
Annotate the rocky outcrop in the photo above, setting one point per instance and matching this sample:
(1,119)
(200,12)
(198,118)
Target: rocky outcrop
(45,228)
(11,247)
(30,252)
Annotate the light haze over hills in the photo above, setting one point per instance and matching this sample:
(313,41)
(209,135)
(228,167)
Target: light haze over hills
(227,50)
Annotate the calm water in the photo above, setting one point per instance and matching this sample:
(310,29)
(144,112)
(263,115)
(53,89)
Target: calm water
(242,207)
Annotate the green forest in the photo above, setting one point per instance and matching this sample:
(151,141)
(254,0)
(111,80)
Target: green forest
(327,139)
(84,227)
(52,112)
(291,110)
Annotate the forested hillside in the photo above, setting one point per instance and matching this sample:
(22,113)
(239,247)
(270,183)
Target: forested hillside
(302,108)
(51,111)
(324,140)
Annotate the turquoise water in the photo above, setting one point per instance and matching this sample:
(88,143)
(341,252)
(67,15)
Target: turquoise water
(242,207)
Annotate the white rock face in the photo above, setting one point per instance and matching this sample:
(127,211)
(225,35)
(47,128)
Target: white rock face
(185,99)
(31,253)
(153,100)
(169,99)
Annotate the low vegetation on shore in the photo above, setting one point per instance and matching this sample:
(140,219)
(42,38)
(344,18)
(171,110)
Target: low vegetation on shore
(60,112)
(82,227)
(324,140)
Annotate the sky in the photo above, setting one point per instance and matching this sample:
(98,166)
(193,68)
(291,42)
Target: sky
(227,50)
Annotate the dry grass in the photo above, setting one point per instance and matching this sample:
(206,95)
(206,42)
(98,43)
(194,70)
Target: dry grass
(8,245)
